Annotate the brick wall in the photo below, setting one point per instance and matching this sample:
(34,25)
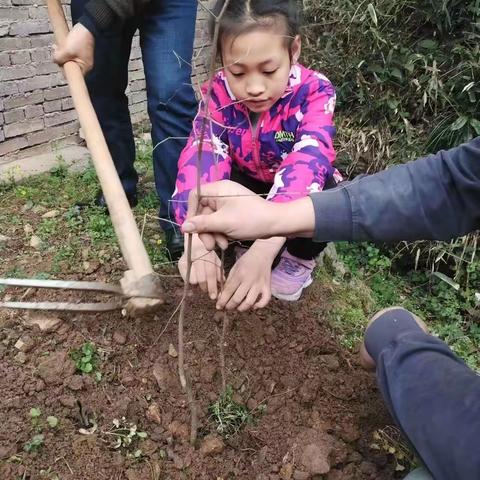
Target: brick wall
(36,111)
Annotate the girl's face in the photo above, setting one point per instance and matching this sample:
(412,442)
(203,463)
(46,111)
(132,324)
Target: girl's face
(257,66)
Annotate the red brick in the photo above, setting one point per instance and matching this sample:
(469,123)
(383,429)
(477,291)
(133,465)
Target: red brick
(20,128)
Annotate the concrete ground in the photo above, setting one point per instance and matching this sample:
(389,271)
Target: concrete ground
(74,156)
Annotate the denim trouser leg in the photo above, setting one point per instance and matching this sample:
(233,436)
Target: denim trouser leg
(167,33)
(106,84)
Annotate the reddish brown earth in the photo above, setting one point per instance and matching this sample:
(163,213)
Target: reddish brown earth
(315,409)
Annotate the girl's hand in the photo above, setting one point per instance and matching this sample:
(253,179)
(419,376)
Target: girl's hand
(248,280)
(206,267)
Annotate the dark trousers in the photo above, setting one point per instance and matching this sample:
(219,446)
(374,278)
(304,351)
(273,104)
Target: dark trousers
(167,29)
(432,395)
(304,248)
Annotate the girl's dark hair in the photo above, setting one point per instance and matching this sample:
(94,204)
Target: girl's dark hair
(241,16)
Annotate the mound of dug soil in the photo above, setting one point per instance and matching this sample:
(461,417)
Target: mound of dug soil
(312,409)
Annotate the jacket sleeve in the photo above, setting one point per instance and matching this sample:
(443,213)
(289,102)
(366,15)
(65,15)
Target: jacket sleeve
(216,163)
(101,15)
(306,168)
(433,198)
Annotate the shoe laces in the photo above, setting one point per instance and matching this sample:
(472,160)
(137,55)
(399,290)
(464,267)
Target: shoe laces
(291,267)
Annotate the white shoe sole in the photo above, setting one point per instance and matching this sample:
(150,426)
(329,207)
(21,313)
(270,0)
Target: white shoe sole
(294,296)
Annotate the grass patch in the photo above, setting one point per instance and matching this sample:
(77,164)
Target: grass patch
(372,282)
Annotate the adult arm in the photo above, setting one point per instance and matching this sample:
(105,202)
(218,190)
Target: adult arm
(433,198)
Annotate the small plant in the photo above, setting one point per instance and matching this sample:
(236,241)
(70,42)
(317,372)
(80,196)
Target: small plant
(86,359)
(35,414)
(126,437)
(228,415)
(35,444)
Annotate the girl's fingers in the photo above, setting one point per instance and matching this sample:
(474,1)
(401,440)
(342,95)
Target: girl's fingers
(229,289)
(237,298)
(211,271)
(250,300)
(265,298)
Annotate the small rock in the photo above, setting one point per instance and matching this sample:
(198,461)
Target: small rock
(300,475)
(153,414)
(55,368)
(313,458)
(40,386)
(28,229)
(67,401)
(162,376)
(329,361)
(207,373)
(119,337)
(90,267)
(20,357)
(51,214)
(179,430)
(39,209)
(368,468)
(3,240)
(211,445)
(286,471)
(35,242)
(349,433)
(172,352)
(25,343)
(45,321)
(75,383)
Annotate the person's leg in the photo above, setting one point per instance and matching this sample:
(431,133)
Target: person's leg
(106,84)
(167,33)
(431,394)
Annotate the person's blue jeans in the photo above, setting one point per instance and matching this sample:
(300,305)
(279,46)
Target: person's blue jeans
(167,30)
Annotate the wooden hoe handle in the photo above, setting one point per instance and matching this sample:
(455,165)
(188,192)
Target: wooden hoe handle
(121,214)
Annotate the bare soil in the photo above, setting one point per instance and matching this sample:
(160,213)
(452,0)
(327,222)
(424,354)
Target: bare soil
(314,410)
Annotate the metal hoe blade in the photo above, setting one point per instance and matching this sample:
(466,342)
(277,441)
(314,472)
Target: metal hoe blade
(65,285)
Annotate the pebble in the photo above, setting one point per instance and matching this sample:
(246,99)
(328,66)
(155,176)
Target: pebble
(51,214)
(153,414)
(119,337)
(75,383)
(21,358)
(211,445)
(45,321)
(172,352)
(35,242)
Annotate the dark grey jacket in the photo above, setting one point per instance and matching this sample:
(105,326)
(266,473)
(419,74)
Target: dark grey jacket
(101,15)
(433,198)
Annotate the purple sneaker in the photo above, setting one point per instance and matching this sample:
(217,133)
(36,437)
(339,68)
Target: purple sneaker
(291,276)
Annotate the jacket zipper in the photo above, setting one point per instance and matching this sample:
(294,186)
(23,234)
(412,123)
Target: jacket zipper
(255,147)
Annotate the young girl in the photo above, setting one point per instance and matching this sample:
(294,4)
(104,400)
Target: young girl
(271,130)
